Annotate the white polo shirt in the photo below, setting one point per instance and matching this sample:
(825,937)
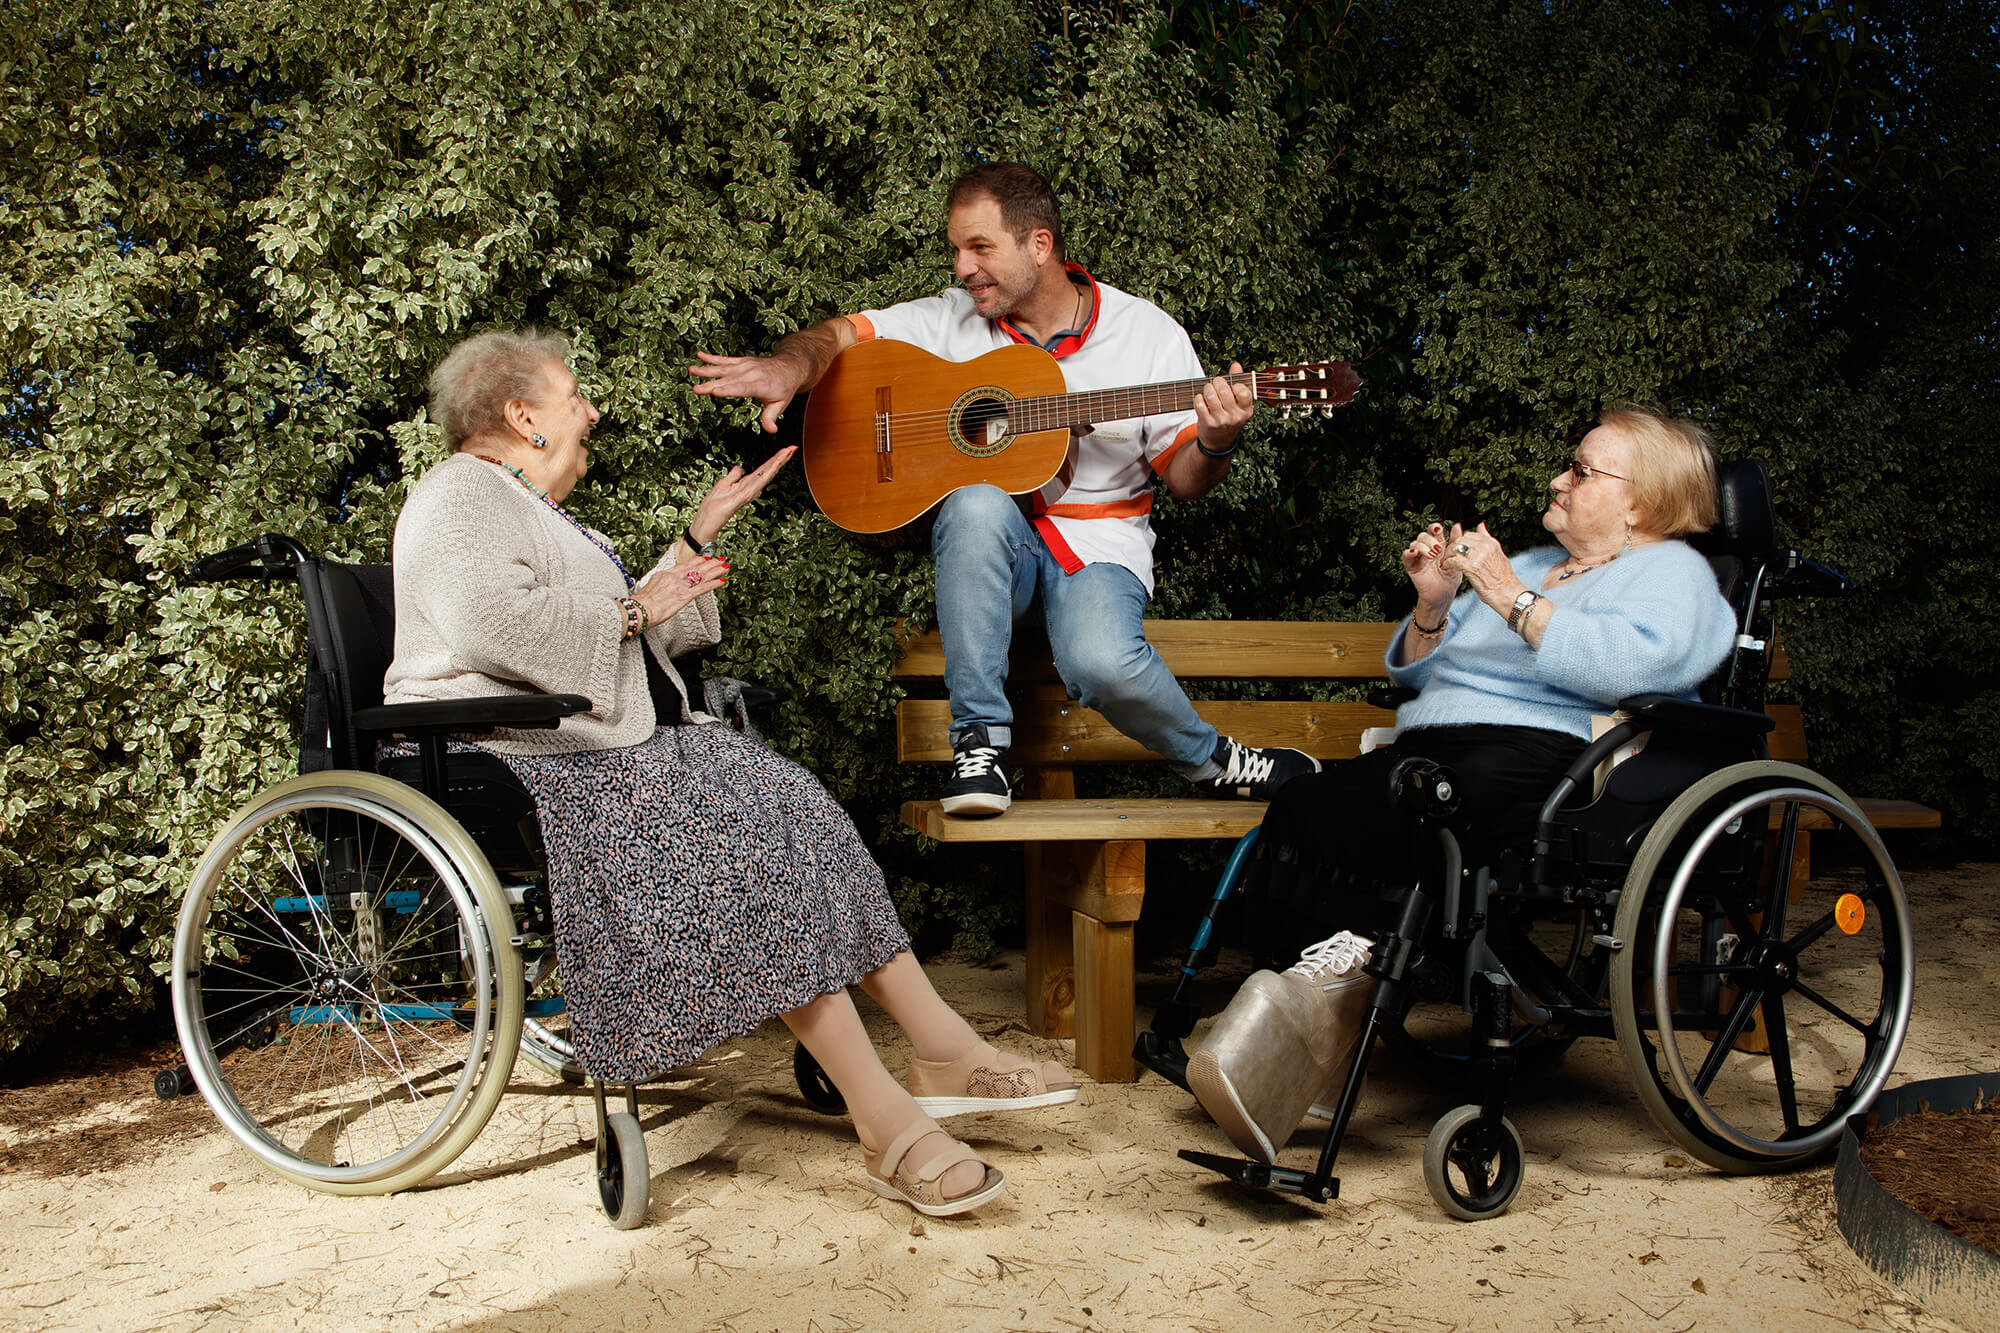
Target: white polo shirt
(1103,516)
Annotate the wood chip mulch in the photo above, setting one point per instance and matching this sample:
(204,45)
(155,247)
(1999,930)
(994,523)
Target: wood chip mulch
(1946,1166)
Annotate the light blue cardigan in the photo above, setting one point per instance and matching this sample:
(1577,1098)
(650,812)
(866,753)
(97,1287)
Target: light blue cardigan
(1650,622)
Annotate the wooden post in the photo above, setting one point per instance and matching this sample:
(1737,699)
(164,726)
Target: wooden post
(1083,898)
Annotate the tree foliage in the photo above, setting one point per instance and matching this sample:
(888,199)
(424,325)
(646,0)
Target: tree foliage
(237,235)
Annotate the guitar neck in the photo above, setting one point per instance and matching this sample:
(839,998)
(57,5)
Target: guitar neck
(1091,406)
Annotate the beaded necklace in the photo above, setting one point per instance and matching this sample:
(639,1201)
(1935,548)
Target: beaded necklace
(567,517)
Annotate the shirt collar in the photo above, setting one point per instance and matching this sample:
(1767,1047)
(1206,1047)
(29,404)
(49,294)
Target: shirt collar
(1069,340)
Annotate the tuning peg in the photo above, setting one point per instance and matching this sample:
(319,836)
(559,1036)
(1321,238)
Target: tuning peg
(1327,410)
(1286,411)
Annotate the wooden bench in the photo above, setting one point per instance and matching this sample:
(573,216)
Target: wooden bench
(1085,859)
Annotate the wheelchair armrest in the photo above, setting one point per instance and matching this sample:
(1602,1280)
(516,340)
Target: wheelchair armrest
(470,717)
(1646,713)
(1656,711)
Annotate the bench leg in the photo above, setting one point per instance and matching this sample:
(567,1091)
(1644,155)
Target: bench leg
(1083,898)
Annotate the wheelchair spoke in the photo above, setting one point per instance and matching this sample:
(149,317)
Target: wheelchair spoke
(1732,1031)
(1865,1029)
(1778,896)
(1781,1060)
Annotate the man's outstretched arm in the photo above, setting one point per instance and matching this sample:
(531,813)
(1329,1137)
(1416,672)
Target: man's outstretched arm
(793,366)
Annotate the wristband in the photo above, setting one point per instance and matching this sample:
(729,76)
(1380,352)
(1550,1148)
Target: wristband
(705,550)
(1211,453)
(1431,632)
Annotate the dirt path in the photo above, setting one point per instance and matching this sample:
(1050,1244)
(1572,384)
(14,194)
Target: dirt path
(121,1212)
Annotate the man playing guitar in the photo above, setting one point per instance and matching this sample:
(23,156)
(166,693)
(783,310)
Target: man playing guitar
(1084,543)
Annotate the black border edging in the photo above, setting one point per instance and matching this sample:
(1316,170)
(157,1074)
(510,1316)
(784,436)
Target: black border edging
(1946,1275)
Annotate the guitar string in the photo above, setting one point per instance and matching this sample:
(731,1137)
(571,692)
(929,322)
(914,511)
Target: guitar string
(1177,395)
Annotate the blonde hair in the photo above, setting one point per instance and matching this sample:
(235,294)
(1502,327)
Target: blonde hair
(472,386)
(1673,467)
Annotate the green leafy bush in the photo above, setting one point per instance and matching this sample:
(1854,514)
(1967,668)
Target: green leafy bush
(235,236)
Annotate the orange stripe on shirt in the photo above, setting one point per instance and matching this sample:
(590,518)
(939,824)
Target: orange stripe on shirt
(864,327)
(1166,457)
(1132,508)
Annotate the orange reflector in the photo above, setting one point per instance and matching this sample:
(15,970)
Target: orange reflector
(1850,913)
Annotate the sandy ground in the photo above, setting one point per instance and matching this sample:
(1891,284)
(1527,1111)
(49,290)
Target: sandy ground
(121,1212)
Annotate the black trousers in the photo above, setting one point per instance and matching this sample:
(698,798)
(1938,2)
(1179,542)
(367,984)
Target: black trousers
(1336,853)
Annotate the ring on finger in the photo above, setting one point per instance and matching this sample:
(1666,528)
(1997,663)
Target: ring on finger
(1462,549)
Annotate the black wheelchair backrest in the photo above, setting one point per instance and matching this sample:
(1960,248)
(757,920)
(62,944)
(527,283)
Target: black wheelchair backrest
(351,630)
(1745,535)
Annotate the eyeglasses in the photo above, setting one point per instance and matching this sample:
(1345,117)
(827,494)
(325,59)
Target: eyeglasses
(1583,472)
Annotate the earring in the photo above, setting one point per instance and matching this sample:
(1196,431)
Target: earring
(540,441)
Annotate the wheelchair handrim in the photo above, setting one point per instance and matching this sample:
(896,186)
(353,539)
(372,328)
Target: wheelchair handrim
(1669,1049)
(190,1018)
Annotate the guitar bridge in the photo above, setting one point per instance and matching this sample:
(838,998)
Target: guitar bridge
(885,469)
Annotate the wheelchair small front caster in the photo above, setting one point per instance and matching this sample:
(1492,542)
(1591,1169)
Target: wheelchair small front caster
(817,1088)
(1472,1170)
(622,1178)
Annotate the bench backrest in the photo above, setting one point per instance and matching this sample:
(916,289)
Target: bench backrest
(1053,731)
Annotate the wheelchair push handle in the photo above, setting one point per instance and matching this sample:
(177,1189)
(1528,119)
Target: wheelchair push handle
(1798,576)
(271,556)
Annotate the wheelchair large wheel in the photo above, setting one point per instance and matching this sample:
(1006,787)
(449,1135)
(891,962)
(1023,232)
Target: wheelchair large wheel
(344,983)
(1758,1009)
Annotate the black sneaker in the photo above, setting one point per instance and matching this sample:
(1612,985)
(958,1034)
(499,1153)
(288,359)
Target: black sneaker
(977,785)
(1254,774)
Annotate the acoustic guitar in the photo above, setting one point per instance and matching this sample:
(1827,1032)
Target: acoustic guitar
(890,429)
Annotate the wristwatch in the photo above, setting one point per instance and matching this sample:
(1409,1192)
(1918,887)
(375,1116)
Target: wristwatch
(706,550)
(1522,606)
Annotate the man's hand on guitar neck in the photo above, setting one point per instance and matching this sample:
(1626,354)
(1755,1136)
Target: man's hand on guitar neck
(793,366)
(1220,411)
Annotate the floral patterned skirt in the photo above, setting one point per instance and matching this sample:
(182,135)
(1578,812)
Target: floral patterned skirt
(702,884)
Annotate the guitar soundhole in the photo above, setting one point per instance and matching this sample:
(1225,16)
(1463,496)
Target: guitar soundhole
(979,421)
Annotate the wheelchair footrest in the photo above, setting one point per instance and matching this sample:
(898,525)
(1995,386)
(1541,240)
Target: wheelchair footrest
(1257,1174)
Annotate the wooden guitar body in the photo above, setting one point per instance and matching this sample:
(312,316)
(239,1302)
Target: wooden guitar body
(890,430)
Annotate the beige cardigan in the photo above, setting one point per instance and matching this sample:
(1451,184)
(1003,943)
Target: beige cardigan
(497,594)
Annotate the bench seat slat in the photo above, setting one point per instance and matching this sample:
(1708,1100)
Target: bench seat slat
(1194,818)
(1092,820)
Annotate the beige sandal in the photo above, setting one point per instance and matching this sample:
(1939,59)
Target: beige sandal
(976,1082)
(894,1175)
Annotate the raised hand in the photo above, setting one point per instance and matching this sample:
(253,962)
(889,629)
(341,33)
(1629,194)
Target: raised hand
(1423,561)
(735,489)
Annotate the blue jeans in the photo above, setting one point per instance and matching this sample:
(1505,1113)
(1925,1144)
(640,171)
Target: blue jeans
(991,564)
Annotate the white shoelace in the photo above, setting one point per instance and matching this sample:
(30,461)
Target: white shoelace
(1331,958)
(1246,767)
(975,762)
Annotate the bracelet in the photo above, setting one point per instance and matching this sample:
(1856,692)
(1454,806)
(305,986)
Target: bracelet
(1207,452)
(703,549)
(636,618)
(1432,631)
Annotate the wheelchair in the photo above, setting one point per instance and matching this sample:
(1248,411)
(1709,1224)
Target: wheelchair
(364,949)
(1664,906)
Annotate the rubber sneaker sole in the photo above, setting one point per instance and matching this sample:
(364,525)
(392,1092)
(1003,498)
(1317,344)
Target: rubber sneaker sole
(1211,1088)
(978,804)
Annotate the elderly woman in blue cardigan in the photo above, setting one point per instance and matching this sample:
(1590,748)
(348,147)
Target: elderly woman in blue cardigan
(1511,658)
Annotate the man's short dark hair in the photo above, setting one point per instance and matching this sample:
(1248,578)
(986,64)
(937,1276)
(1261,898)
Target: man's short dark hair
(1027,204)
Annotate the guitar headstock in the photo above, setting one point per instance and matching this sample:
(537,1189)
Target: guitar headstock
(1321,385)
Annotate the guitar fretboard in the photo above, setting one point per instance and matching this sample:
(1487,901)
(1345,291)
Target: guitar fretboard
(1090,406)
